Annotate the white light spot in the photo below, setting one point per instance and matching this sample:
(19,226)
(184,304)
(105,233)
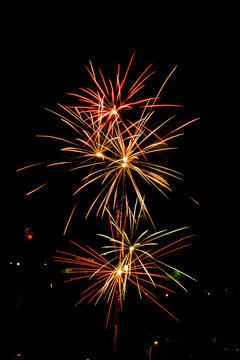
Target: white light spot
(100,155)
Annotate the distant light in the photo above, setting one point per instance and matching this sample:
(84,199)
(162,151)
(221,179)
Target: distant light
(124,164)
(155,343)
(29,234)
(131,248)
(125,268)
(166,294)
(18,263)
(11,263)
(119,271)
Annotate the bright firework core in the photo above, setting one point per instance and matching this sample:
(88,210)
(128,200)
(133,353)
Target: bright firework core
(124,159)
(99,155)
(120,271)
(114,112)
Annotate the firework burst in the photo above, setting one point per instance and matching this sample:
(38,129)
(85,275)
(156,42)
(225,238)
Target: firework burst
(113,153)
(116,156)
(111,160)
(130,258)
(106,102)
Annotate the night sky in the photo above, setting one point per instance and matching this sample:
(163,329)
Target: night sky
(48,54)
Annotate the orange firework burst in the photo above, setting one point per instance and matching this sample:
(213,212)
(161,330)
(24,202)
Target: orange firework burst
(131,258)
(113,154)
(114,159)
(106,102)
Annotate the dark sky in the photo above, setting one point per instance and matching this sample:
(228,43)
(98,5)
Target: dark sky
(48,52)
